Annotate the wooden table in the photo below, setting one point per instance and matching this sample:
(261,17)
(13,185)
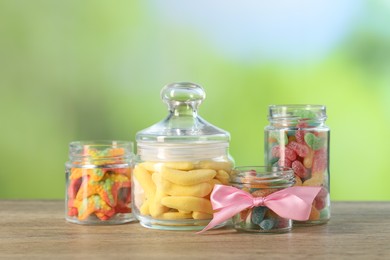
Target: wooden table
(37,230)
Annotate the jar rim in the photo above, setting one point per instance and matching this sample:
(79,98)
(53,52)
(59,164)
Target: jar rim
(272,176)
(100,149)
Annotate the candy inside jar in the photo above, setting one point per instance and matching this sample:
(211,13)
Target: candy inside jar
(261,181)
(98,182)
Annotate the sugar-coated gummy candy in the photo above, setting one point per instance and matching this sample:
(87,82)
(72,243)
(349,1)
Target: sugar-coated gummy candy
(262,192)
(314,214)
(320,161)
(316,179)
(300,149)
(299,169)
(284,162)
(288,153)
(304,114)
(320,200)
(267,224)
(258,214)
(314,142)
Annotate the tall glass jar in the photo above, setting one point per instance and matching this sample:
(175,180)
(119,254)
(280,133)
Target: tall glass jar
(98,182)
(180,159)
(297,137)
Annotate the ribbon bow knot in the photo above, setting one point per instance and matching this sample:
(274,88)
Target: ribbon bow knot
(292,203)
(258,201)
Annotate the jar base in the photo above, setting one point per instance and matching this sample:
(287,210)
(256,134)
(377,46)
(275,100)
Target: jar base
(262,231)
(92,220)
(186,224)
(310,222)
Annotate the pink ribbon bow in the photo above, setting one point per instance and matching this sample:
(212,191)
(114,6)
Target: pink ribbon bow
(292,203)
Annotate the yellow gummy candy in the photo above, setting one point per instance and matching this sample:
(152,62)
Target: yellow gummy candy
(226,166)
(145,180)
(156,166)
(223,176)
(144,209)
(214,181)
(298,181)
(201,215)
(155,207)
(308,160)
(314,214)
(197,190)
(149,166)
(316,179)
(175,215)
(188,177)
(188,203)
(184,166)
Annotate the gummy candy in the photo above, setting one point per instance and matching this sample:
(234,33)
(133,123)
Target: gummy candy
(320,200)
(178,190)
(299,169)
(267,224)
(313,141)
(258,214)
(320,161)
(301,149)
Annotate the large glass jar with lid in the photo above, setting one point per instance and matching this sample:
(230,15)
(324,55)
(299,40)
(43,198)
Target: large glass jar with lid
(180,159)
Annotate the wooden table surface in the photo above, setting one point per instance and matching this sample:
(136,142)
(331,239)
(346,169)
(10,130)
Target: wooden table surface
(37,230)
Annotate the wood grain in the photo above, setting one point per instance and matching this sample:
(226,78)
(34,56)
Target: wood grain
(37,230)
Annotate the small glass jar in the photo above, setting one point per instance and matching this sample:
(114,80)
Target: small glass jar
(180,159)
(98,182)
(297,137)
(261,181)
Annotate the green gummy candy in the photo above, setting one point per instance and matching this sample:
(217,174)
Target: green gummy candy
(267,224)
(258,214)
(313,141)
(304,114)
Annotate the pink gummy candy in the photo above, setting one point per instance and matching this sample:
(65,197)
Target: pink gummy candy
(320,161)
(288,153)
(300,134)
(299,169)
(285,162)
(301,149)
(321,199)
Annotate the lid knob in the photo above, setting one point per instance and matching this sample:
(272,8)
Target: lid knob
(183,93)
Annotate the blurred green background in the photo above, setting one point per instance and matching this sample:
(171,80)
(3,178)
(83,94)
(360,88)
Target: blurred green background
(81,70)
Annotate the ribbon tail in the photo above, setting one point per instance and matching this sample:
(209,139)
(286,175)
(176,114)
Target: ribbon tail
(224,214)
(294,203)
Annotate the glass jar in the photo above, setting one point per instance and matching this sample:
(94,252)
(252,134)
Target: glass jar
(180,159)
(98,182)
(297,137)
(261,181)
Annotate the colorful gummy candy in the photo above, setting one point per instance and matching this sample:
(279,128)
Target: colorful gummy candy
(99,186)
(305,150)
(260,219)
(178,190)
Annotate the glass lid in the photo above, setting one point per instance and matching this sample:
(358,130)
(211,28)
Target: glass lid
(183,124)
